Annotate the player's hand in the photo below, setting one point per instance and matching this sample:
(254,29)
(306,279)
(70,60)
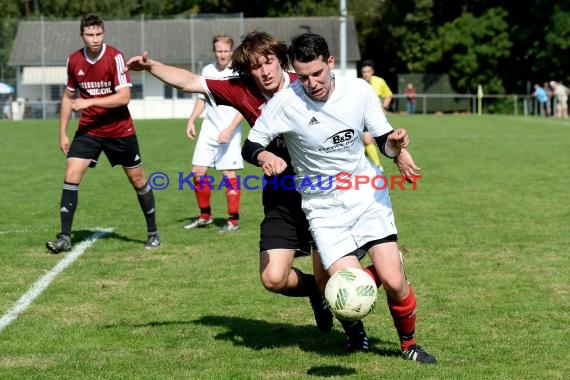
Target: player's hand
(399,139)
(224,136)
(271,164)
(79,104)
(64,144)
(405,163)
(138,63)
(190,130)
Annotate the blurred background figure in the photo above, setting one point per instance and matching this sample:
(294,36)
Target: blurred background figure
(7,109)
(541,98)
(549,93)
(560,99)
(378,84)
(410,99)
(385,94)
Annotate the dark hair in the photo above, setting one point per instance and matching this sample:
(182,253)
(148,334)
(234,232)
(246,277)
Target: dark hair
(307,47)
(91,20)
(368,62)
(257,44)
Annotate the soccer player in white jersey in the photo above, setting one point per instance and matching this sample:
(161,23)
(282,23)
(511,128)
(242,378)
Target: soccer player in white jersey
(322,121)
(218,145)
(261,62)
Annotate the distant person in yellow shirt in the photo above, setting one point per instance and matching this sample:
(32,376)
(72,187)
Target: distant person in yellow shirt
(385,94)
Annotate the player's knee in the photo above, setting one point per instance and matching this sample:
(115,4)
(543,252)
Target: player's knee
(138,181)
(274,281)
(396,287)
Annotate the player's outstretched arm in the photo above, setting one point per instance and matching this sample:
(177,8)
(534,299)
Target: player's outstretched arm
(182,79)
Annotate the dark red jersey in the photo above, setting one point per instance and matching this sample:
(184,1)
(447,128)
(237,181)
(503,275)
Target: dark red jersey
(248,100)
(238,93)
(98,78)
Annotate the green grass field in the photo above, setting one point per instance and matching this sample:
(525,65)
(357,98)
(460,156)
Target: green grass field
(485,239)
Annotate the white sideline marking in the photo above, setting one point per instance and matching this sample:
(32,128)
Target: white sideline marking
(41,284)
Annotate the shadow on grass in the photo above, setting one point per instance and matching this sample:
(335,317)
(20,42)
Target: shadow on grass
(81,235)
(218,222)
(331,371)
(258,335)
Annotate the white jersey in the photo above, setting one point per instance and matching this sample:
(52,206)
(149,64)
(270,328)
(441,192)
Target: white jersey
(324,139)
(217,118)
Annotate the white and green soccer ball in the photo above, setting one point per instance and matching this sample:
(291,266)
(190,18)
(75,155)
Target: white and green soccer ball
(351,294)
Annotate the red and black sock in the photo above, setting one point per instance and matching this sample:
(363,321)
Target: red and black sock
(404,316)
(233,194)
(203,192)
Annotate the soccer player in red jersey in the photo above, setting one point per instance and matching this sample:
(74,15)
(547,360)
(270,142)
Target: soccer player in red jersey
(101,91)
(260,61)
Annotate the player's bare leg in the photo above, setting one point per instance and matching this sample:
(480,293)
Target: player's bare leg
(278,275)
(401,299)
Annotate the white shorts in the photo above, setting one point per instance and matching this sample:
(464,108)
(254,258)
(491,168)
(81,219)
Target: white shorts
(346,220)
(209,153)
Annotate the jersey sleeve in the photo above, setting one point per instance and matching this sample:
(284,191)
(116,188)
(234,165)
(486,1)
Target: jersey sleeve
(384,89)
(71,80)
(261,133)
(271,122)
(121,79)
(375,120)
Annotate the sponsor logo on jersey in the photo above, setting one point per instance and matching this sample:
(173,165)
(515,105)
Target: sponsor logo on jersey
(340,141)
(80,73)
(341,137)
(313,121)
(97,88)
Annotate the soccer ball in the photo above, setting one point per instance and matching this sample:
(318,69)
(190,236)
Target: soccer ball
(351,294)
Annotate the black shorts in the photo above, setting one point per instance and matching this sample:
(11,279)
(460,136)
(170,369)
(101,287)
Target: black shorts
(122,151)
(285,225)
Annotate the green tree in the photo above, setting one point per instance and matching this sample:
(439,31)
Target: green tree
(471,49)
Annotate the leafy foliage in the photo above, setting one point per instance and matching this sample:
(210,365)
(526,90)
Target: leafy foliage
(491,42)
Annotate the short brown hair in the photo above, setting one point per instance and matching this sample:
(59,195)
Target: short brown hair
(91,20)
(254,45)
(223,38)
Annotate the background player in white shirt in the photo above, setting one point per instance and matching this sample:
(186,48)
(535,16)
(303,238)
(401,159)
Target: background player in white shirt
(322,121)
(219,143)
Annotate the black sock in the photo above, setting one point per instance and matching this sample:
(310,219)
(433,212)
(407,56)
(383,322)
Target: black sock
(146,200)
(68,205)
(306,285)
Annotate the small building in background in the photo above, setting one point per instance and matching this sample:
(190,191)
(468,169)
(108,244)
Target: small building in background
(41,48)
